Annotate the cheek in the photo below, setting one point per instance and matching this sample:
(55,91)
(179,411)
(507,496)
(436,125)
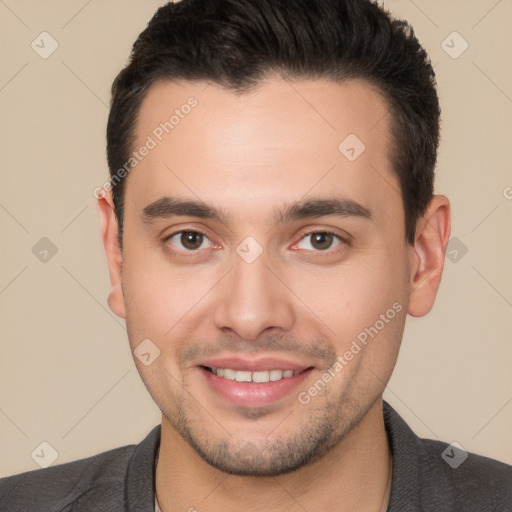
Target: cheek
(352,296)
(149,295)
(158,306)
(364,308)
(163,301)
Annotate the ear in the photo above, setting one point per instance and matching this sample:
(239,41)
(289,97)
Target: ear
(109,234)
(431,240)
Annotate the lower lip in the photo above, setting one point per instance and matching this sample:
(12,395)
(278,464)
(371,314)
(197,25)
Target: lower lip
(251,394)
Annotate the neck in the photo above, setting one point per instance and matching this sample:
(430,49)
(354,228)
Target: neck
(354,476)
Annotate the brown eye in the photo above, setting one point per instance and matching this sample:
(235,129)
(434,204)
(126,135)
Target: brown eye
(319,241)
(189,240)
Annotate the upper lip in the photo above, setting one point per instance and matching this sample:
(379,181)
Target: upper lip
(256,365)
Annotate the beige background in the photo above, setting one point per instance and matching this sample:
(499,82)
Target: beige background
(66,372)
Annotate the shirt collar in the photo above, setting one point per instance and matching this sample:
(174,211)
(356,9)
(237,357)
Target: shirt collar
(140,476)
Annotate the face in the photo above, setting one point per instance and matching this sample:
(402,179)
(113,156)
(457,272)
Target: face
(259,249)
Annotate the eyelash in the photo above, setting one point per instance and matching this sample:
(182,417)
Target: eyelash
(343,242)
(184,251)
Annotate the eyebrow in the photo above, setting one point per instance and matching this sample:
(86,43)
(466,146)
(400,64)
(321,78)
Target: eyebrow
(167,207)
(342,207)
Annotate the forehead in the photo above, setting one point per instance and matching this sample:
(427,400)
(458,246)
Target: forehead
(278,142)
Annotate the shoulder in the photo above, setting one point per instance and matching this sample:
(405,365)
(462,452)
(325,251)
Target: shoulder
(436,476)
(61,487)
(470,480)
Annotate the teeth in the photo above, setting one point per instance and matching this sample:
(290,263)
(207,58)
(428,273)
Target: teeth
(276,375)
(260,376)
(243,376)
(229,374)
(263,376)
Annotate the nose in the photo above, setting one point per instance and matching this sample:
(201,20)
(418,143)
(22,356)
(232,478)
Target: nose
(253,301)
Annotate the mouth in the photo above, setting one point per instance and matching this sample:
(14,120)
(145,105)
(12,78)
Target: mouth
(253,385)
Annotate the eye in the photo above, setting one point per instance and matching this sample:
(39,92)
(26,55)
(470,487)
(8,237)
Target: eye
(189,240)
(319,241)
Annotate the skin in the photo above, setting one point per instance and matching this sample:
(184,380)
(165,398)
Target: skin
(249,156)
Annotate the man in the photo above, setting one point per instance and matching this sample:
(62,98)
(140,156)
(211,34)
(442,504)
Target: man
(269,223)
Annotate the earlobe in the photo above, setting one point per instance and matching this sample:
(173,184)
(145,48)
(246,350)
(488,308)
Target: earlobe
(431,240)
(110,237)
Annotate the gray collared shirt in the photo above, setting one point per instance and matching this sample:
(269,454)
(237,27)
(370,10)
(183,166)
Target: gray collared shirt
(123,480)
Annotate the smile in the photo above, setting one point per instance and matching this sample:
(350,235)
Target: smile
(259,377)
(246,388)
